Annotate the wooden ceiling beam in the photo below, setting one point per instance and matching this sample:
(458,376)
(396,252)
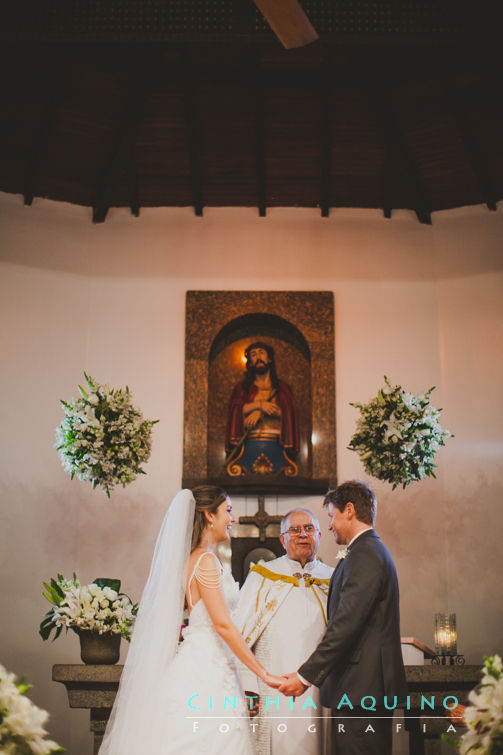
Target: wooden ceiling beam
(461,116)
(260,135)
(53,83)
(388,181)
(193,127)
(397,152)
(122,148)
(38,148)
(124,155)
(326,102)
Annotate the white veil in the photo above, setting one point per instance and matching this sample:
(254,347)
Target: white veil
(134,723)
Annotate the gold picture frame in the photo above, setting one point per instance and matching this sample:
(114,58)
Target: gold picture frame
(299,326)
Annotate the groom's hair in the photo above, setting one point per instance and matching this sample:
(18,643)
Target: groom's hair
(359,494)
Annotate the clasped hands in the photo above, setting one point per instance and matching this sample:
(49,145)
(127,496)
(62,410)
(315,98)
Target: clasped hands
(289,684)
(292,686)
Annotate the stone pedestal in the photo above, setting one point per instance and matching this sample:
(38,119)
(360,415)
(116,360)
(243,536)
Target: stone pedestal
(95,687)
(423,724)
(92,687)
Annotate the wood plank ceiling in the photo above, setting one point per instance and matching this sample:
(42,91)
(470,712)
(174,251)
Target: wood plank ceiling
(143,103)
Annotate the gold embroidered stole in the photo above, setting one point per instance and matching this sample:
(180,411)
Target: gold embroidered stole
(275,596)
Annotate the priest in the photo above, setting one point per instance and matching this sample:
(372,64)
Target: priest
(282,616)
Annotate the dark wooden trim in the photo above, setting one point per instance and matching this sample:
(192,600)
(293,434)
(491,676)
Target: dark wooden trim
(464,124)
(122,146)
(50,90)
(193,129)
(260,135)
(326,99)
(397,151)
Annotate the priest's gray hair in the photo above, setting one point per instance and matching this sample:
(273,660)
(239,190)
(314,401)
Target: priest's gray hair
(285,522)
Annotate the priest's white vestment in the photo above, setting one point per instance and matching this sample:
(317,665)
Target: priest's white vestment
(282,616)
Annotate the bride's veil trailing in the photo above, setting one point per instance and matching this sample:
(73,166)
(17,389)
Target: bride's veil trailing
(136,720)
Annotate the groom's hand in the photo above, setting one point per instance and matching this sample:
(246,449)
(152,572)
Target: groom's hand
(292,686)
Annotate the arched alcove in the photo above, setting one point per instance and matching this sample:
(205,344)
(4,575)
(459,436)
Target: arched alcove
(246,326)
(226,368)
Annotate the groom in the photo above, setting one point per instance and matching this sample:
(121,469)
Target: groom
(360,654)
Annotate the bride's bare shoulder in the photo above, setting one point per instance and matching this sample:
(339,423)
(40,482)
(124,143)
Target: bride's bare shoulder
(204,555)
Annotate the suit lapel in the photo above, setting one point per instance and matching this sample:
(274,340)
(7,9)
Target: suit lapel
(334,586)
(338,571)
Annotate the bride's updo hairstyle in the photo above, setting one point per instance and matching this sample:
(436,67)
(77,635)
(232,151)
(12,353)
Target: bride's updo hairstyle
(208,498)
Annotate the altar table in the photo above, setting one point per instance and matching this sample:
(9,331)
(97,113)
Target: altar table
(94,687)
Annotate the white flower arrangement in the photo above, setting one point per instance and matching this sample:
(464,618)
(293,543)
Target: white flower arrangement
(22,723)
(483,717)
(398,435)
(103,438)
(99,606)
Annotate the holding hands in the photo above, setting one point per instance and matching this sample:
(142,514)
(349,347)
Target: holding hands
(288,684)
(291,686)
(272,680)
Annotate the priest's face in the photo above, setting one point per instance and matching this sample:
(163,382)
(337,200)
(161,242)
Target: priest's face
(300,545)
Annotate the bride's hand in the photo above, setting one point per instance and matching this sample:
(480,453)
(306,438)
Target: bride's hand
(272,680)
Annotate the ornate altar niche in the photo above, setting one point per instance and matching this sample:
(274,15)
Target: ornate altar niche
(300,328)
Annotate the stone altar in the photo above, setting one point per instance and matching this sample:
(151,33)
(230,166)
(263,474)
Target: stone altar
(94,687)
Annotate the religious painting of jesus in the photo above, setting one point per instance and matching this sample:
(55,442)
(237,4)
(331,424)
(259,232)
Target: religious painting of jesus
(262,434)
(259,411)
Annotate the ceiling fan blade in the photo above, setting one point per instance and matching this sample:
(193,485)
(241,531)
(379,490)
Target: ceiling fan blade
(288,21)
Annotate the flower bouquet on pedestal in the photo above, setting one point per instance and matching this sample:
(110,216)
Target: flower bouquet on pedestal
(99,613)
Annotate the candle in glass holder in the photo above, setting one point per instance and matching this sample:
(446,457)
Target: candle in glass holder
(446,636)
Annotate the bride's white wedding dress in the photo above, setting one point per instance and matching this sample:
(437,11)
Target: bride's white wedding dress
(179,699)
(204,704)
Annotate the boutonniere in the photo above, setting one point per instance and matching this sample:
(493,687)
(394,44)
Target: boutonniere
(342,554)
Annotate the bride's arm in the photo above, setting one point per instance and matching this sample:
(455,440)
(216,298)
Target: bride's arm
(209,583)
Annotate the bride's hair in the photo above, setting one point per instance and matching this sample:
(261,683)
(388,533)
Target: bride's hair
(208,498)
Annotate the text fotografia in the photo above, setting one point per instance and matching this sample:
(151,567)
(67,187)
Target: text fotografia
(281,728)
(210,704)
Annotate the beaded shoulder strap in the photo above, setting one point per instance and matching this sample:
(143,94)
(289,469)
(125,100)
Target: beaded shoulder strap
(207,576)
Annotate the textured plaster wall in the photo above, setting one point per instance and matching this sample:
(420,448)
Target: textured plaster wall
(420,304)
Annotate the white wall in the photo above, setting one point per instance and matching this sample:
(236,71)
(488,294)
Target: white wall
(419,304)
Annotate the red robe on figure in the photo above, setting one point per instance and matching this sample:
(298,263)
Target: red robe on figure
(289,431)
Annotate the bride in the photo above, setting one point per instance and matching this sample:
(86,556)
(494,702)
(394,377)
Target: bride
(186,699)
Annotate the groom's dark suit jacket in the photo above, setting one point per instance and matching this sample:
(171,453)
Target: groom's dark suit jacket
(360,653)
